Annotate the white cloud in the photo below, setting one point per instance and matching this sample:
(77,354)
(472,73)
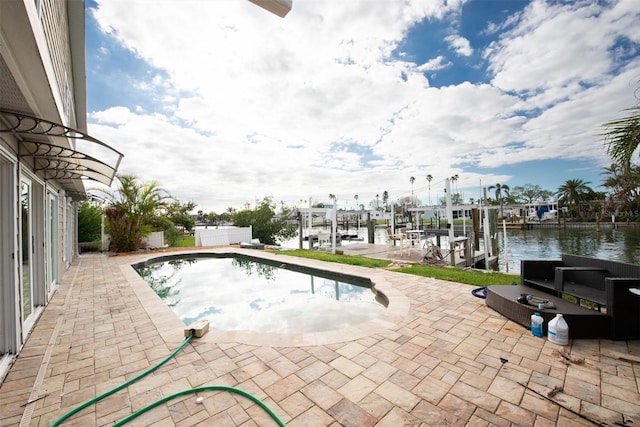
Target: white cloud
(459,44)
(249,104)
(435,64)
(555,49)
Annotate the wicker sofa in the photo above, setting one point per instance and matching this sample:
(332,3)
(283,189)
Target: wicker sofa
(605,293)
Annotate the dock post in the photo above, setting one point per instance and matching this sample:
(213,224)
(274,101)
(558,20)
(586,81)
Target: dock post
(310,224)
(452,244)
(370,229)
(475,218)
(300,230)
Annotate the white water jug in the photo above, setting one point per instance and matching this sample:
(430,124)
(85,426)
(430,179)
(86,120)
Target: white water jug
(558,330)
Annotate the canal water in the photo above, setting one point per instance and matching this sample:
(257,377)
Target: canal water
(622,244)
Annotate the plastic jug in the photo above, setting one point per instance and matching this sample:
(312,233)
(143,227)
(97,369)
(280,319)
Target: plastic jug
(558,330)
(536,324)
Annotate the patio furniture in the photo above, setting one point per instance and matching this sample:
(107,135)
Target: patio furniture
(414,238)
(583,322)
(597,285)
(324,238)
(396,242)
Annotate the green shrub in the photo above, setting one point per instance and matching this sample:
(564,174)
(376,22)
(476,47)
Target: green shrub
(89,223)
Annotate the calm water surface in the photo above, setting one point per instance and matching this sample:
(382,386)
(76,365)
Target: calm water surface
(241,294)
(550,243)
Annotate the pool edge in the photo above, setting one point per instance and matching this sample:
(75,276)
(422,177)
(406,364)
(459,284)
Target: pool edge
(171,328)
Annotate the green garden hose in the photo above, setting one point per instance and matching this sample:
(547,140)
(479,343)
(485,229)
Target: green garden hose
(153,405)
(120,387)
(203,388)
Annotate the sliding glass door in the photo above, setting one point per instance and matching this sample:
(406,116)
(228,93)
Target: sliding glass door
(8,263)
(52,242)
(26,251)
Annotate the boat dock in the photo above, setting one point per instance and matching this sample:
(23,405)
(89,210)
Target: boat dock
(413,255)
(423,245)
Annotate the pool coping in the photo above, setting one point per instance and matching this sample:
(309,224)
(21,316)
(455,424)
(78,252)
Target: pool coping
(170,326)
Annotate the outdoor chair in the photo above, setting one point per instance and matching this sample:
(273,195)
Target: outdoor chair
(396,241)
(324,238)
(392,237)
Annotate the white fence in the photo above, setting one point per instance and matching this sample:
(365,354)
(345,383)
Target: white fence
(155,240)
(223,236)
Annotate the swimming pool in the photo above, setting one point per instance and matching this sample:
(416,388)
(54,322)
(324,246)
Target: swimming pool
(241,293)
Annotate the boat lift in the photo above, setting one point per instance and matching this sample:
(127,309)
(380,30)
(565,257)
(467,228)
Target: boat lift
(330,213)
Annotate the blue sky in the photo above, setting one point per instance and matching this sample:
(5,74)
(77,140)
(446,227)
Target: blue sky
(224,103)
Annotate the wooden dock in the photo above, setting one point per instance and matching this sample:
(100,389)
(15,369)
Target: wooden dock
(413,255)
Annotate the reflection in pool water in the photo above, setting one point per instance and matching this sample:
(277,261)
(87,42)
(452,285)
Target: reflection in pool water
(245,294)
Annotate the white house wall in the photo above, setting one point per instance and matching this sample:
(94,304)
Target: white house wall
(37,69)
(14,332)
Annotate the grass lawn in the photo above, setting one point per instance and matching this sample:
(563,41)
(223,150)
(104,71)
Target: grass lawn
(452,274)
(185,241)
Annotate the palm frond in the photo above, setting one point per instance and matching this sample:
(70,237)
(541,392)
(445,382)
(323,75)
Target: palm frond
(622,136)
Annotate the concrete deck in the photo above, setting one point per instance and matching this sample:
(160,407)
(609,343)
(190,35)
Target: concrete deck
(438,356)
(382,252)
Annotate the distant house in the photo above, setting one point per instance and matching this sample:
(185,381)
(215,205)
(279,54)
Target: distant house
(44,157)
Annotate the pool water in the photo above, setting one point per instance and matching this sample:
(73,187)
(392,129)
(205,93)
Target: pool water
(238,293)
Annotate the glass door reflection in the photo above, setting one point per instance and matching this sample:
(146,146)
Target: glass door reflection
(26,248)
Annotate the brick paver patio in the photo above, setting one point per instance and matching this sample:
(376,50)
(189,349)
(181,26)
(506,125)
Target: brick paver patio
(438,356)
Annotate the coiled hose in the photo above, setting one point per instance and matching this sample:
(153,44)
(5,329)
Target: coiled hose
(167,398)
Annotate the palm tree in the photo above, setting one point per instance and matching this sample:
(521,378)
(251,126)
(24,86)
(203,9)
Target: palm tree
(454,180)
(131,211)
(500,189)
(356,197)
(412,180)
(623,137)
(573,191)
(385,198)
(429,179)
(624,187)
(614,180)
